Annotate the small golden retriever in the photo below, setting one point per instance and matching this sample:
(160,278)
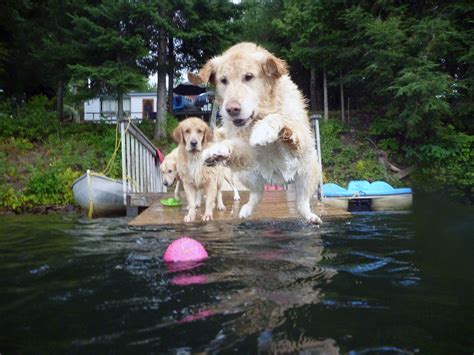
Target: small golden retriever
(193,135)
(169,173)
(269,138)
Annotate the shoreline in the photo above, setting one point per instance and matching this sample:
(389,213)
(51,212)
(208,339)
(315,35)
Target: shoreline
(44,210)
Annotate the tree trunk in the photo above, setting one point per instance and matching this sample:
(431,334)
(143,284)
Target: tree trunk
(343,118)
(119,106)
(348,110)
(313,97)
(170,74)
(160,125)
(60,101)
(325,90)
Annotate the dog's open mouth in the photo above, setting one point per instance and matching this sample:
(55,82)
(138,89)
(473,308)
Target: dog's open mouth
(167,184)
(240,122)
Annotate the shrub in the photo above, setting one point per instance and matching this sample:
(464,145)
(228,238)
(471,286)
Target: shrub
(51,186)
(447,164)
(34,121)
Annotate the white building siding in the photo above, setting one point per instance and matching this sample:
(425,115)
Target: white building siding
(92,110)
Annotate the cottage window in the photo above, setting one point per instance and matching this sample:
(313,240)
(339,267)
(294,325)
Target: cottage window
(110,106)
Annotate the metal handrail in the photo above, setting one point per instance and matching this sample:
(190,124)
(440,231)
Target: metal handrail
(140,162)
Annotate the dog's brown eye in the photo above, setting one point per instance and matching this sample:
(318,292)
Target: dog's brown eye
(199,130)
(248,77)
(224,81)
(170,171)
(187,131)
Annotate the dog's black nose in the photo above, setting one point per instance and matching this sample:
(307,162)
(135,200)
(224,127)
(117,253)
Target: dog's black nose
(233,108)
(193,143)
(165,183)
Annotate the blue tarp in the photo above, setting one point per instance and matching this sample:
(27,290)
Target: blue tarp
(363,188)
(178,102)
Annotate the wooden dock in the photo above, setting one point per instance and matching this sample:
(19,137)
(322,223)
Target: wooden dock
(275,205)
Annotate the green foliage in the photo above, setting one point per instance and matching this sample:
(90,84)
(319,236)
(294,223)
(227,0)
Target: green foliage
(34,121)
(51,187)
(171,123)
(421,96)
(448,164)
(111,45)
(40,172)
(167,143)
(345,159)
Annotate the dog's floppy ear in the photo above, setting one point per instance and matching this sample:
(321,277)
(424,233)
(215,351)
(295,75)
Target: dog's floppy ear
(275,67)
(178,135)
(206,74)
(207,135)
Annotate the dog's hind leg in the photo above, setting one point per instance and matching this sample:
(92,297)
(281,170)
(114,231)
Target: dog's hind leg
(220,201)
(230,178)
(198,198)
(236,196)
(306,184)
(247,209)
(255,185)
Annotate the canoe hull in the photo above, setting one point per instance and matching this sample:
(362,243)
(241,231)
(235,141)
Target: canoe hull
(362,195)
(378,203)
(105,194)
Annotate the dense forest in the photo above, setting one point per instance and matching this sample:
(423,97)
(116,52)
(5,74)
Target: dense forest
(396,76)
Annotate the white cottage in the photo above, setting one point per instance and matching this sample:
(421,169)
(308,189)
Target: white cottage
(138,105)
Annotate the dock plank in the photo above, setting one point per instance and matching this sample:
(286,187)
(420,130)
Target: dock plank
(275,205)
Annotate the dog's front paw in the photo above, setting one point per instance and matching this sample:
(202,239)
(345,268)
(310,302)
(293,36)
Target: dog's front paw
(221,207)
(245,211)
(236,196)
(189,217)
(286,135)
(207,217)
(263,134)
(313,219)
(216,154)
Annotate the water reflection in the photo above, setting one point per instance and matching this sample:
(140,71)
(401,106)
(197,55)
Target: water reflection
(371,284)
(275,272)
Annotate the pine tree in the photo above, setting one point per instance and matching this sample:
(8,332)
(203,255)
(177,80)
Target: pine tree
(183,34)
(109,39)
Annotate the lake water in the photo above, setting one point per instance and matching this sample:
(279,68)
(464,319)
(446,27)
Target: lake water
(374,283)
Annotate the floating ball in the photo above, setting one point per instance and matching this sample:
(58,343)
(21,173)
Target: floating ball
(185,249)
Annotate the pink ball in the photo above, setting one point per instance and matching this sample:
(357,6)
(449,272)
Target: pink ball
(185,249)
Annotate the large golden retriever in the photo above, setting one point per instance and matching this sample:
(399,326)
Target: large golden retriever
(192,136)
(269,138)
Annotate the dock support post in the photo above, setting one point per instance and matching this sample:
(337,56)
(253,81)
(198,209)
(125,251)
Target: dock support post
(315,122)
